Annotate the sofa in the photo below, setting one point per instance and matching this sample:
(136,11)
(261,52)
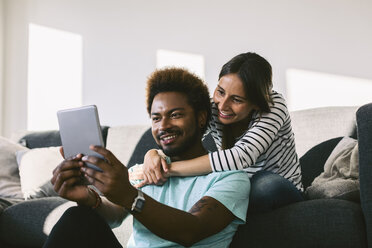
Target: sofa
(327,222)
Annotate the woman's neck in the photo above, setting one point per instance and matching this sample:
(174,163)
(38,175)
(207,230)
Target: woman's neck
(238,128)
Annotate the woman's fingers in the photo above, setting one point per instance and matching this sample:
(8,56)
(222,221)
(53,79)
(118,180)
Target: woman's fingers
(165,166)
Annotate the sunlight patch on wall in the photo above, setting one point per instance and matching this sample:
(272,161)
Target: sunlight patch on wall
(308,89)
(192,62)
(54,75)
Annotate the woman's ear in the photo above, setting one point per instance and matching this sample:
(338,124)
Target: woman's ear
(202,118)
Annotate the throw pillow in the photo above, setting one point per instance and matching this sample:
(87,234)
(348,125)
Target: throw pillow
(312,162)
(35,169)
(9,176)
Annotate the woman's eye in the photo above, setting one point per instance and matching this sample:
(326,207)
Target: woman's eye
(237,100)
(220,92)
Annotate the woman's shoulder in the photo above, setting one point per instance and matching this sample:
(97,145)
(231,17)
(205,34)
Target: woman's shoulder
(278,101)
(276,96)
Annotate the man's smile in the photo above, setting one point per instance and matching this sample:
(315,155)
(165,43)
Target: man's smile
(168,139)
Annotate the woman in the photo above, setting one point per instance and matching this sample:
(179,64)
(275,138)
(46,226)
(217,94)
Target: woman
(252,130)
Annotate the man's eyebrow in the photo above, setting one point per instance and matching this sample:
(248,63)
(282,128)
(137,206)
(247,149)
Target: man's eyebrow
(170,111)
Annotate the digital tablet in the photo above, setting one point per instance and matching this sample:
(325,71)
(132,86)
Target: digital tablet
(79,128)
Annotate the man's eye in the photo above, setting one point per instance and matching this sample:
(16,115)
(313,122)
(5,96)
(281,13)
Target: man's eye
(155,119)
(176,115)
(221,92)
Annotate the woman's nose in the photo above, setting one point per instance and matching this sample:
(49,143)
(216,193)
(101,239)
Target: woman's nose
(223,104)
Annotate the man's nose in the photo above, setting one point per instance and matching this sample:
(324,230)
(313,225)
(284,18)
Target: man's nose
(164,124)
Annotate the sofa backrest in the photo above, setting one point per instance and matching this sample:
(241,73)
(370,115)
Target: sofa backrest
(310,126)
(121,140)
(37,139)
(313,126)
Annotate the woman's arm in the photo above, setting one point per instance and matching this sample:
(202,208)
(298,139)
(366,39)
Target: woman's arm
(155,169)
(193,167)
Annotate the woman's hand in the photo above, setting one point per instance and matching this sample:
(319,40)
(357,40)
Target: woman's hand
(155,169)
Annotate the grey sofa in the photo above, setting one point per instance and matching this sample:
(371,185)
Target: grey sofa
(311,223)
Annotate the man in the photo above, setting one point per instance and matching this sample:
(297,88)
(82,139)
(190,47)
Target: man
(204,211)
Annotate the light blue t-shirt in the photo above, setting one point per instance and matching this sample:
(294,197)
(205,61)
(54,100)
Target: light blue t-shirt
(230,188)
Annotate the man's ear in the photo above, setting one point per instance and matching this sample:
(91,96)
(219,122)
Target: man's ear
(202,118)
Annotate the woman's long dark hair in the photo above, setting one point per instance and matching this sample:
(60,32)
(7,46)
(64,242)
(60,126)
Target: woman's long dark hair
(256,74)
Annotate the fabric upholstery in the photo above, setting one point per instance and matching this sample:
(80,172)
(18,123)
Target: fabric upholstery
(49,138)
(33,219)
(312,163)
(313,126)
(327,223)
(341,173)
(121,141)
(35,170)
(9,174)
(364,124)
(145,143)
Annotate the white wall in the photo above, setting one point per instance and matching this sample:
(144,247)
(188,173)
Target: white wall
(15,65)
(1,62)
(121,38)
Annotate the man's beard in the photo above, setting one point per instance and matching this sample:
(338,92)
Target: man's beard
(184,147)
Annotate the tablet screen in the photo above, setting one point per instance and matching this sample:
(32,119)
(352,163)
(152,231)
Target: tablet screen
(79,128)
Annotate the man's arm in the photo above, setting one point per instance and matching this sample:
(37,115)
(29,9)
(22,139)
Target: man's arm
(112,213)
(207,217)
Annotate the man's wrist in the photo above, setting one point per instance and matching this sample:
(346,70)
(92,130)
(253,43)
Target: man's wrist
(130,195)
(134,200)
(90,201)
(98,199)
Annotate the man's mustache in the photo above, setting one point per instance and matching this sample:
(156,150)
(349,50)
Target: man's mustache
(169,131)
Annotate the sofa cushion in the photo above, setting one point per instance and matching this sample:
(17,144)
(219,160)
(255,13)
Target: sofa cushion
(312,162)
(315,223)
(29,223)
(36,168)
(9,175)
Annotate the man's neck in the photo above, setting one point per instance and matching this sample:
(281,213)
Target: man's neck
(195,151)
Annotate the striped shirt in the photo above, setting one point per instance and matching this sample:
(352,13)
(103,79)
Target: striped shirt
(268,144)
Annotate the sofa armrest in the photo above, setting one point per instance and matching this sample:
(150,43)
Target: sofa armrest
(364,126)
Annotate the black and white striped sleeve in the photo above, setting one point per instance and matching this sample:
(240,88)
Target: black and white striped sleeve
(255,141)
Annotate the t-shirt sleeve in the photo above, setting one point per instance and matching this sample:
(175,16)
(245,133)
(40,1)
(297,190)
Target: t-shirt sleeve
(232,190)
